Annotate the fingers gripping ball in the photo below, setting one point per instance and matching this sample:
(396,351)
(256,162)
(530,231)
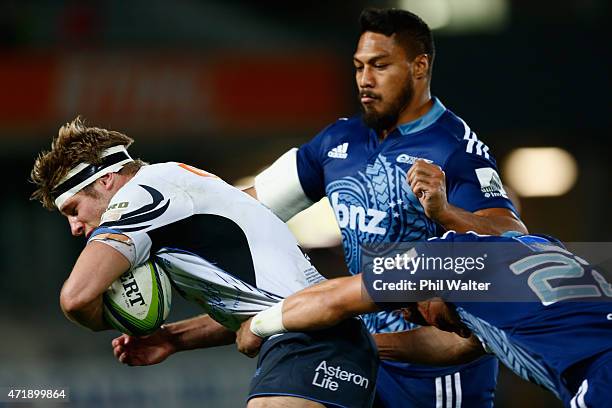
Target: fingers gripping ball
(139,301)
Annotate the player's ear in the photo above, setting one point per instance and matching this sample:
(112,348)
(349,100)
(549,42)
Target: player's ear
(107,181)
(420,66)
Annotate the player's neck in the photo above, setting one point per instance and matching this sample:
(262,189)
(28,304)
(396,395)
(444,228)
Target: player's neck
(119,181)
(418,107)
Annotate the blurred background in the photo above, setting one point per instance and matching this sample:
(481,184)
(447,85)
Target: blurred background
(229,86)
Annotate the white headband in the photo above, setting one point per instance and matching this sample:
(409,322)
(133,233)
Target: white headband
(83,174)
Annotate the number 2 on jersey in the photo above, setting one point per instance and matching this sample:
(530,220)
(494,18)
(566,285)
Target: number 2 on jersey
(558,266)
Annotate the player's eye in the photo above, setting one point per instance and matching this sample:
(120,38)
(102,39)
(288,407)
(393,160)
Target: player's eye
(380,66)
(359,68)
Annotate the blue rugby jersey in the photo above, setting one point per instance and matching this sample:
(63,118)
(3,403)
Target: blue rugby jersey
(562,316)
(365,181)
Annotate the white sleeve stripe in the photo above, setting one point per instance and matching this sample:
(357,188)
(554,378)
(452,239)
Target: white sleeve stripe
(279,188)
(474,143)
(485,150)
(467,129)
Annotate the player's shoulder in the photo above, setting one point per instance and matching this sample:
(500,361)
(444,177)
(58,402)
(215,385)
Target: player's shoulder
(351,123)
(337,137)
(159,170)
(344,129)
(451,130)
(153,175)
(151,190)
(439,131)
(173,174)
(461,137)
(154,171)
(152,183)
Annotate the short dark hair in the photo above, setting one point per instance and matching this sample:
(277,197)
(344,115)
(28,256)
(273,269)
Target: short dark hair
(410,30)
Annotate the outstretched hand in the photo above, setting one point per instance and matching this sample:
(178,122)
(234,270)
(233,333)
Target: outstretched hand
(247,342)
(147,350)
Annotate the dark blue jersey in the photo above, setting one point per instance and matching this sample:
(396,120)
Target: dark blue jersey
(365,180)
(555,310)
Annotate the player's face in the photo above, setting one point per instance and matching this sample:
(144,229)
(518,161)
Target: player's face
(384,80)
(84,211)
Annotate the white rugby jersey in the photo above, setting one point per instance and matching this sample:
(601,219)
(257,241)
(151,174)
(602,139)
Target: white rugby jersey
(220,247)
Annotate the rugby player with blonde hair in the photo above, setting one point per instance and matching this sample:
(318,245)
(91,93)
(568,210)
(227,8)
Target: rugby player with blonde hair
(221,249)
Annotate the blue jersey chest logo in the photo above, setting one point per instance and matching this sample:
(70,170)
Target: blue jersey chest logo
(376,206)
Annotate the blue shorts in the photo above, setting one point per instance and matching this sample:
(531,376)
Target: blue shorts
(471,387)
(335,367)
(595,390)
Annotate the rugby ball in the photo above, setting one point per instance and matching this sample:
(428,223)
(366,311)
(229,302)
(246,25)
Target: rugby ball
(139,301)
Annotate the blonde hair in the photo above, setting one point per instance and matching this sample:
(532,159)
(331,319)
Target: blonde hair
(75,143)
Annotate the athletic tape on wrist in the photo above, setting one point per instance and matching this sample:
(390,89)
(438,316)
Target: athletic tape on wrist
(268,322)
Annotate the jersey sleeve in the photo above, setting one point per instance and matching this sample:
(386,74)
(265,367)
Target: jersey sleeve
(310,166)
(134,245)
(278,187)
(134,210)
(123,243)
(472,179)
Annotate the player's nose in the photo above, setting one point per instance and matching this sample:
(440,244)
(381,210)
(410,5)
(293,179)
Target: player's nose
(76,227)
(365,78)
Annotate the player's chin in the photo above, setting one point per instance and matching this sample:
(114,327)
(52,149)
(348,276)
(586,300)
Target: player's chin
(370,109)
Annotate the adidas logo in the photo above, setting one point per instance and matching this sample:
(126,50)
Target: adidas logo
(339,152)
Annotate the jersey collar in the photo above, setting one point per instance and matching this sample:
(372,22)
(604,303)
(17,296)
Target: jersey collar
(424,121)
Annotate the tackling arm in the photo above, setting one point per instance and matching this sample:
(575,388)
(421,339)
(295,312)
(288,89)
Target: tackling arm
(326,304)
(317,307)
(81,297)
(428,345)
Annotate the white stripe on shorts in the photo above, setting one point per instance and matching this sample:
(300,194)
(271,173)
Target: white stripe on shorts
(448,382)
(438,392)
(444,396)
(457,390)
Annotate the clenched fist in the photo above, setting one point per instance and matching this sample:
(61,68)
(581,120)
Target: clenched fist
(428,183)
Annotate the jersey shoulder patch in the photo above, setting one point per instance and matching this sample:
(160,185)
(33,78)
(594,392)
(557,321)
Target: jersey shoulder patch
(134,208)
